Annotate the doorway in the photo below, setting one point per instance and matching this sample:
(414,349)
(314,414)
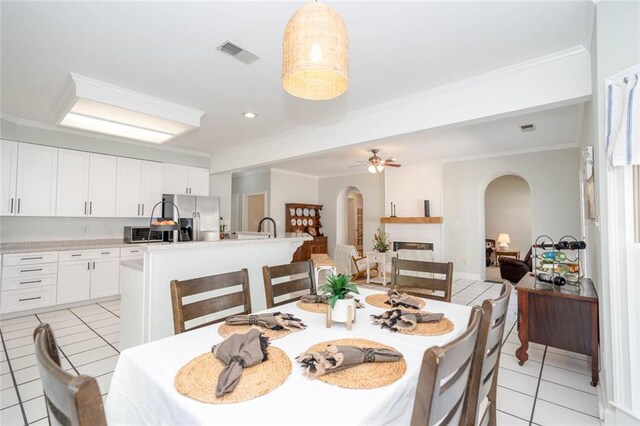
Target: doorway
(350,218)
(507,204)
(254,208)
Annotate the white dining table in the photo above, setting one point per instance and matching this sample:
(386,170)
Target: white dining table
(142,389)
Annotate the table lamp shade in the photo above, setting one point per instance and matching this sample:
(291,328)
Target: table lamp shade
(504,240)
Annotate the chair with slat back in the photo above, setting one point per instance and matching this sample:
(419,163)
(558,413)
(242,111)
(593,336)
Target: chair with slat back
(70,400)
(183,312)
(480,404)
(419,285)
(443,378)
(292,281)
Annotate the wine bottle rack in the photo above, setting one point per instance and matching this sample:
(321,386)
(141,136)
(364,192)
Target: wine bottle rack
(558,259)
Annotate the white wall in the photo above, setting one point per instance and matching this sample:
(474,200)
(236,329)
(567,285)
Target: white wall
(371,186)
(288,187)
(553,180)
(507,202)
(408,187)
(220,186)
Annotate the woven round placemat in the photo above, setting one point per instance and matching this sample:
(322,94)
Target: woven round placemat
(439,328)
(198,378)
(364,376)
(380,301)
(316,308)
(226,330)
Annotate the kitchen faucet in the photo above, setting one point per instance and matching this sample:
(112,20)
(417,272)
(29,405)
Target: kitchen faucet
(275,234)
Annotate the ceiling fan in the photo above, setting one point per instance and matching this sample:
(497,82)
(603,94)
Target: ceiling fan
(376,164)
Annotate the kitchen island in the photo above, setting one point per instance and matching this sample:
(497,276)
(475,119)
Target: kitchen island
(146,312)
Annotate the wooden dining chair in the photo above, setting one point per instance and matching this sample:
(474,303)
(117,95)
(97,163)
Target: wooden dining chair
(183,312)
(443,378)
(480,401)
(291,278)
(419,285)
(70,399)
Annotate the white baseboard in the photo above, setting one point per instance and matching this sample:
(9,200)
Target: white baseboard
(466,276)
(56,307)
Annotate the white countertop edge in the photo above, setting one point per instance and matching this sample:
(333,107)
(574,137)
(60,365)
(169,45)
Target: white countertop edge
(190,245)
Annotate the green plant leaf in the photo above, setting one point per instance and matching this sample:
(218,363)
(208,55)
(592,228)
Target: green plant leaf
(332,300)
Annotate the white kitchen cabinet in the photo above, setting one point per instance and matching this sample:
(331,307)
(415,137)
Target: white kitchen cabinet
(185,180)
(73,183)
(139,187)
(198,181)
(105,277)
(37,176)
(102,185)
(74,281)
(8,168)
(129,184)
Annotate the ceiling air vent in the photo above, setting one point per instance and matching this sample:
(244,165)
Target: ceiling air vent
(237,52)
(528,127)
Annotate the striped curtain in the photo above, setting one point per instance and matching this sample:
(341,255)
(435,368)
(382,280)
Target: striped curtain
(622,135)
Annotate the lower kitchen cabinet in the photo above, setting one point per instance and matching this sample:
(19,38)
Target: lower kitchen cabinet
(105,277)
(74,281)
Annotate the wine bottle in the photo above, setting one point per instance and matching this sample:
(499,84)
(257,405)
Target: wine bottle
(548,278)
(563,245)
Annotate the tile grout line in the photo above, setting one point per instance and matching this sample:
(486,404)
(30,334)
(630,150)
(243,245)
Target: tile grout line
(98,334)
(60,349)
(13,379)
(108,310)
(509,414)
(535,398)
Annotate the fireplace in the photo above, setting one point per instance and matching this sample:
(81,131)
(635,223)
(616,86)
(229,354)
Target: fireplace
(407,245)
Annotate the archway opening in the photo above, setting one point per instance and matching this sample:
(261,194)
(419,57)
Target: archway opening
(507,215)
(349,218)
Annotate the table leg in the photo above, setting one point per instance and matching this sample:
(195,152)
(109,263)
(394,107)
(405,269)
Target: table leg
(523,327)
(594,345)
(368,269)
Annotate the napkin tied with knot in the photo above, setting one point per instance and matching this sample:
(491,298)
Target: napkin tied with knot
(237,352)
(272,321)
(315,298)
(336,358)
(401,320)
(403,300)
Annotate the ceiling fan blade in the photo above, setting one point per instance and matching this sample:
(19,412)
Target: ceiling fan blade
(357,165)
(392,164)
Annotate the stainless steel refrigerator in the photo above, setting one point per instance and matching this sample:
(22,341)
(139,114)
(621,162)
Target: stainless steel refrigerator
(199,216)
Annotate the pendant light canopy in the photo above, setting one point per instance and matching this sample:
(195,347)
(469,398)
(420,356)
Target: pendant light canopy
(315,59)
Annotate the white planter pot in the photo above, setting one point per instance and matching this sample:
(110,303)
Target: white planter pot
(340,313)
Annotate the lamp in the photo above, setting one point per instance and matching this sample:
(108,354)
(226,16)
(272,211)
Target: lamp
(504,241)
(371,168)
(315,53)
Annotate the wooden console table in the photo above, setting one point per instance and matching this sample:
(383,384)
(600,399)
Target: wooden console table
(553,316)
(507,253)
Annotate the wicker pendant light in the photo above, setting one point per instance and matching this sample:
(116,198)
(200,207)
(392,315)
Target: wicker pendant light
(315,59)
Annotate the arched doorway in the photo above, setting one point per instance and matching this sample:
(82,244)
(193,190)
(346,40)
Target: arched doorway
(349,218)
(507,221)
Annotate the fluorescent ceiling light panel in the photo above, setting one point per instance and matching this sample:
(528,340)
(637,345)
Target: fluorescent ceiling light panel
(103,108)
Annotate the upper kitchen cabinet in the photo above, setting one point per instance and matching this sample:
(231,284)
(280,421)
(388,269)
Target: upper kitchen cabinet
(37,175)
(86,184)
(139,187)
(185,180)
(8,168)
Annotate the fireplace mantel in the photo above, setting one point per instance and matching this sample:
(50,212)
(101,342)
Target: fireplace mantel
(419,219)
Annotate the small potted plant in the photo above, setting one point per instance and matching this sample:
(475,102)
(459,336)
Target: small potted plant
(337,289)
(381,241)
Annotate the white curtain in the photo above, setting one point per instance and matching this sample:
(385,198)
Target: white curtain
(622,135)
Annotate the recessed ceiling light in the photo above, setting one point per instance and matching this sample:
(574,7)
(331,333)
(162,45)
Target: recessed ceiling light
(103,108)
(249,114)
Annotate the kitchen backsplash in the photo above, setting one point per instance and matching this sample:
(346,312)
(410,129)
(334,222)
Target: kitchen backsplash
(24,229)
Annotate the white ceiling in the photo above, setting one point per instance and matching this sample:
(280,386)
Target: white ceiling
(554,128)
(167,50)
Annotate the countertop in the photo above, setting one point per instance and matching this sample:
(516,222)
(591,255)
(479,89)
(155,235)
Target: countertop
(190,245)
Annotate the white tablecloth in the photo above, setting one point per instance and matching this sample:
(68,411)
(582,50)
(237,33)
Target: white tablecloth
(142,390)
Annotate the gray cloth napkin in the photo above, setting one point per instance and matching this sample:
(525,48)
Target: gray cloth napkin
(237,352)
(272,321)
(398,319)
(336,358)
(403,300)
(314,298)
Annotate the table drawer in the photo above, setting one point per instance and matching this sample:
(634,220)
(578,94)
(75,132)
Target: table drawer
(29,282)
(29,270)
(29,258)
(20,300)
(131,252)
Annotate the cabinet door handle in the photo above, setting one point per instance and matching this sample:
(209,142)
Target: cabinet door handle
(30,270)
(94,265)
(31,258)
(138,214)
(142,209)
(106,252)
(134,251)
(29,298)
(76,255)
(90,207)
(18,205)
(11,207)
(85,208)
(88,266)
(30,282)
(186,190)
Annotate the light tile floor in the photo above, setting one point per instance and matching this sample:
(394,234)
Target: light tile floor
(552,388)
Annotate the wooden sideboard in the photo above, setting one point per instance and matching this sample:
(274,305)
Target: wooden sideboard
(555,316)
(304,252)
(301,217)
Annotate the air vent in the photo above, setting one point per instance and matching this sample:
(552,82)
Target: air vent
(238,52)
(528,127)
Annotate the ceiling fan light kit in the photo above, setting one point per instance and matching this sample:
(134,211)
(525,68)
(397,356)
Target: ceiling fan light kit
(315,53)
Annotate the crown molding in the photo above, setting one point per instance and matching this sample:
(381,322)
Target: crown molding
(514,152)
(289,172)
